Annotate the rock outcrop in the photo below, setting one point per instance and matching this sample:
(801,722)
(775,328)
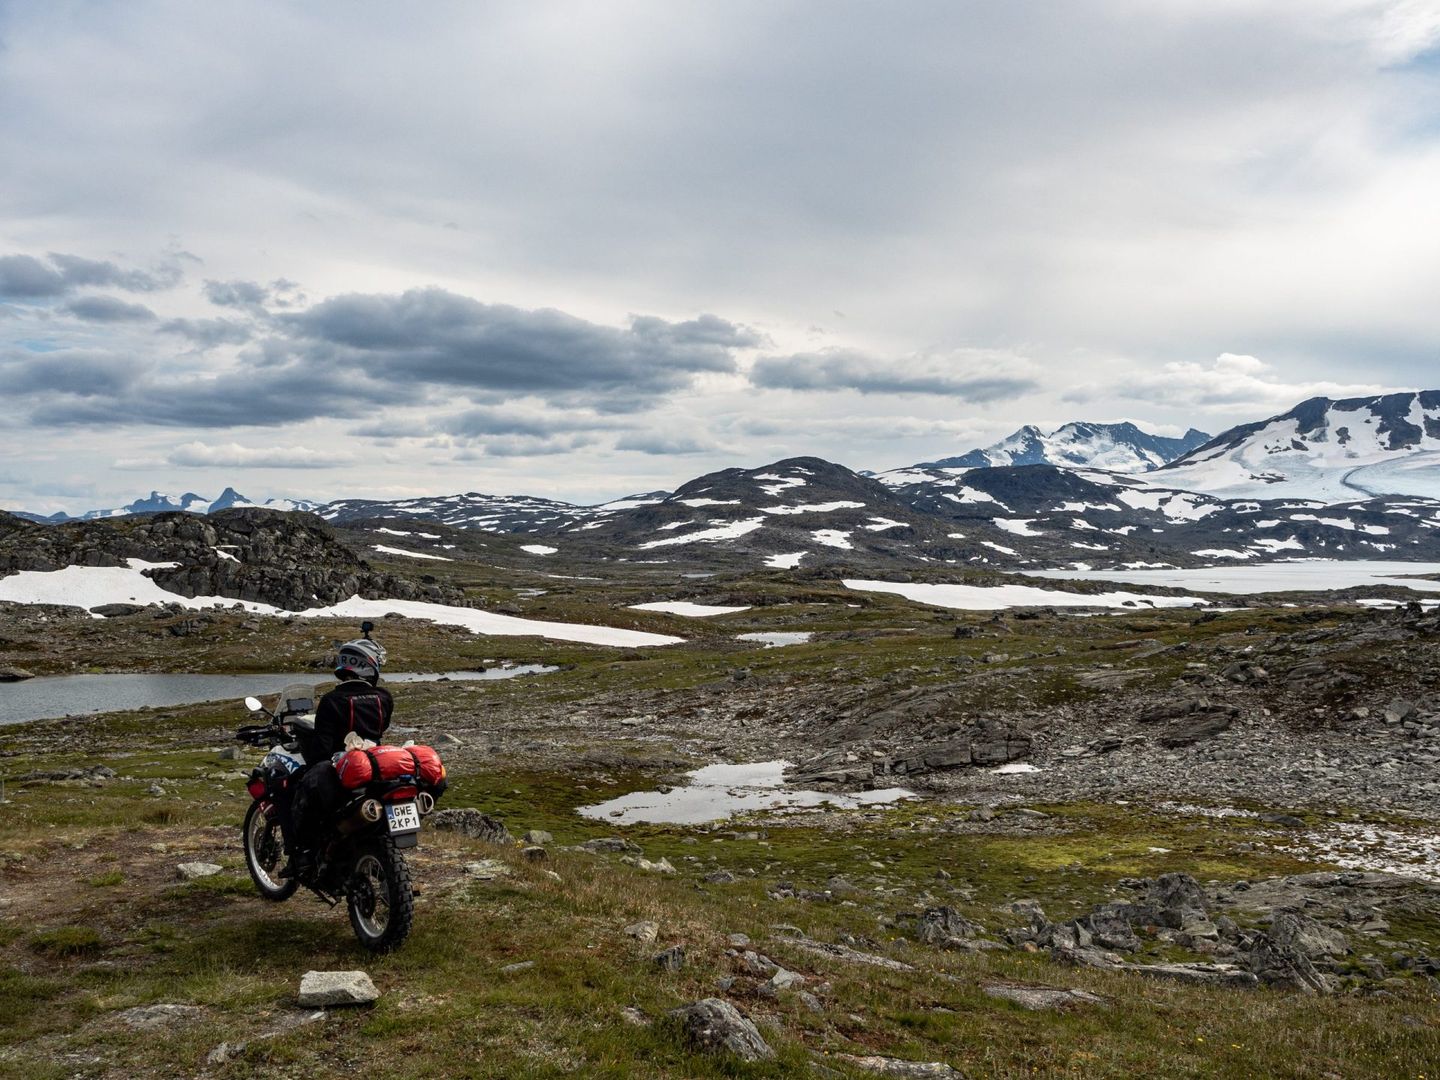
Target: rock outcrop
(290,561)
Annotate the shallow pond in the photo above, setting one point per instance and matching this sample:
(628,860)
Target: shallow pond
(717,792)
(777,638)
(54,696)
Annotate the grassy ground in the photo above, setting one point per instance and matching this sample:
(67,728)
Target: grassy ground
(95,921)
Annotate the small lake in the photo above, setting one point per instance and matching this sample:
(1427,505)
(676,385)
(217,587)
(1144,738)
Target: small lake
(775,639)
(716,792)
(53,696)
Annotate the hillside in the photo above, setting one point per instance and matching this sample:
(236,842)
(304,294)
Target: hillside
(290,561)
(1323,450)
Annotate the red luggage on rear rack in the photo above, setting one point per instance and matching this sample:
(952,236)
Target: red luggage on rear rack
(398,772)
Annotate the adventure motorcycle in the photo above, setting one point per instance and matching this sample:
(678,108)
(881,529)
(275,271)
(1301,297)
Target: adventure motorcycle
(389,790)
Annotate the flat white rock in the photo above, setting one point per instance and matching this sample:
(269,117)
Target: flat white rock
(322,988)
(189,871)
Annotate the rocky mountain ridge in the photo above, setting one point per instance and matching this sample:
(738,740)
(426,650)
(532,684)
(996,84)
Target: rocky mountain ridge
(1119,447)
(290,561)
(159,503)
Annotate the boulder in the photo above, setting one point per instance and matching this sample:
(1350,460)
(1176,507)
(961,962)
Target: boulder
(1176,898)
(609,845)
(1309,938)
(1040,998)
(324,988)
(1280,965)
(943,926)
(113,611)
(785,980)
(190,871)
(1110,926)
(713,1024)
(473,824)
(1195,728)
(15,674)
(671,959)
(644,932)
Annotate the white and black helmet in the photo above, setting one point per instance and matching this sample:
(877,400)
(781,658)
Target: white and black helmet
(359,659)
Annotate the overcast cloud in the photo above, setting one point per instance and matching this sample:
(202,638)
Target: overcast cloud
(583,249)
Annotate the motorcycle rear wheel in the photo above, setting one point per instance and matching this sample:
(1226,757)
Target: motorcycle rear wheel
(265,854)
(380,897)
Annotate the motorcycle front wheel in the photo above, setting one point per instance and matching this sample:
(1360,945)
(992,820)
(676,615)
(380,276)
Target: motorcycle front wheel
(380,898)
(265,855)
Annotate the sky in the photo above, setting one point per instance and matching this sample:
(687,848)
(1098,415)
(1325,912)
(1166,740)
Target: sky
(580,250)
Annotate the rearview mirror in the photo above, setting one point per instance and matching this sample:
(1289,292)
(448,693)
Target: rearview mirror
(253,704)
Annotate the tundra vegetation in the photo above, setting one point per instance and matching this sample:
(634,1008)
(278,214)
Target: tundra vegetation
(1183,888)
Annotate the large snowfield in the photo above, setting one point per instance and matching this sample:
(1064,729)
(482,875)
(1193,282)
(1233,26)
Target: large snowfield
(1000,597)
(91,586)
(1308,575)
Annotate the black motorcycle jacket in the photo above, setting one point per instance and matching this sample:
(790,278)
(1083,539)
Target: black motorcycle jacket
(355,706)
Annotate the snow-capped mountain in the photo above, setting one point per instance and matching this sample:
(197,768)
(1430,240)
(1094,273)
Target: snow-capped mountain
(159,503)
(800,512)
(1122,448)
(1325,450)
(1092,519)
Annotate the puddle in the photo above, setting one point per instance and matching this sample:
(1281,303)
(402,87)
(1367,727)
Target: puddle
(717,792)
(776,639)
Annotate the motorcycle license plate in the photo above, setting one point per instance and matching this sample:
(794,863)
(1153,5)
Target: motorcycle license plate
(402,817)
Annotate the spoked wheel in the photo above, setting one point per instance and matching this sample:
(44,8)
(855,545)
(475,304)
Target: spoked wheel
(265,855)
(381,902)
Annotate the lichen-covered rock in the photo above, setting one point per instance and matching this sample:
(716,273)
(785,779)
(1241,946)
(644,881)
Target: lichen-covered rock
(1311,939)
(474,824)
(713,1024)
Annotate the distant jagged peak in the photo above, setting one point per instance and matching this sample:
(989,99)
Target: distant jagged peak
(1120,447)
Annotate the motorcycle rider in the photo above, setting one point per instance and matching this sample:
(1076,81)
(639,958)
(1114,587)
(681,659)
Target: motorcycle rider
(358,704)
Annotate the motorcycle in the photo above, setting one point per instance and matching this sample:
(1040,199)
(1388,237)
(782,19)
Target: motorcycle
(363,861)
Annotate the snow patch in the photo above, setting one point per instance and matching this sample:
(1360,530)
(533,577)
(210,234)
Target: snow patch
(91,586)
(685,607)
(785,562)
(384,550)
(731,531)
(811,508)
(1000,597)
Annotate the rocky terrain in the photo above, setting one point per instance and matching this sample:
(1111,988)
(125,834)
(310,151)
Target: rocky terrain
(1186,840)
(286,560)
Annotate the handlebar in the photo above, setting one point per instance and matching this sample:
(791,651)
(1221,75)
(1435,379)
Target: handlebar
(264,735)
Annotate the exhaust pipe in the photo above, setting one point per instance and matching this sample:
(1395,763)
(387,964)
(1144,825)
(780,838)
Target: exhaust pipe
(426,802)
(369,812)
